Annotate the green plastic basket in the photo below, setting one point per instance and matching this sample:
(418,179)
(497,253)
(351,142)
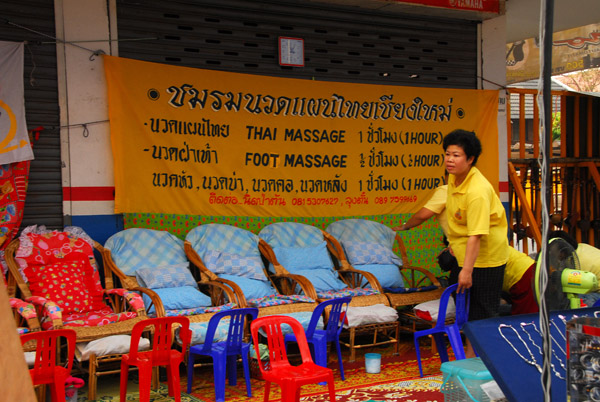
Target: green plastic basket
(463,379)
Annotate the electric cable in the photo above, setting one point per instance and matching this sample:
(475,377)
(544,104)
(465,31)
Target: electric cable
(544,100)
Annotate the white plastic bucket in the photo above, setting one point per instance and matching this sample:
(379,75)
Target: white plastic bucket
(372,363)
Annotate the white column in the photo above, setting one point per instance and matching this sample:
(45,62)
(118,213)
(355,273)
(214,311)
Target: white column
(87,164)
(493,76)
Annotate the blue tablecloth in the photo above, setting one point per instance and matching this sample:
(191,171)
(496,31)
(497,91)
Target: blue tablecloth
(518,380)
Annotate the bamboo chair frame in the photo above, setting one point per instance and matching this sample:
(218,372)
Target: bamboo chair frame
(17,287)
(407,270)
(382,333)
(218,292)
(403,302)
(208,275)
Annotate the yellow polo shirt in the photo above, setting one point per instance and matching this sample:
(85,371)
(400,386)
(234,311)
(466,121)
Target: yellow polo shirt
(473,208)
(518,263)
(589,258)
(437,204)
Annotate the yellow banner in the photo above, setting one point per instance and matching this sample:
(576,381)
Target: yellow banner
(202,142)
(572,50)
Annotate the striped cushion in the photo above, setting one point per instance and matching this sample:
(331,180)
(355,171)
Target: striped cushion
(136,248)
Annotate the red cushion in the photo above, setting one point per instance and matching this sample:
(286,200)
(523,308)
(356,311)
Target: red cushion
(57,257)
(56,247)
(70,284)
(423,315)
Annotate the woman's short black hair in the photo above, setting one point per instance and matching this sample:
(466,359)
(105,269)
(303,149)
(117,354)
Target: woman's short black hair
(467,140)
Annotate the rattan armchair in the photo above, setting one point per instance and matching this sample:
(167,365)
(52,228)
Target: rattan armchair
(230,240)
(362,286)
(420,284)
(124,308)
(156,249)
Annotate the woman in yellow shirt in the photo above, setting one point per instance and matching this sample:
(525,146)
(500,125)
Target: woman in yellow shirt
(477,227)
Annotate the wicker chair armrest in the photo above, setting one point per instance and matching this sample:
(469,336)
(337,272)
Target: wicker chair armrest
(305,284)
(27,312)
(416,282)
(373,281)
(48,309)
(221,286)
(134,299)
(159,308)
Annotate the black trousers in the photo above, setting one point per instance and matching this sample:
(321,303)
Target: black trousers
(485,292)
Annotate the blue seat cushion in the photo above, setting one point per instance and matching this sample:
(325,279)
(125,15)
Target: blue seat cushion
(388,275)
(323,280)
(179,298)
(251,288)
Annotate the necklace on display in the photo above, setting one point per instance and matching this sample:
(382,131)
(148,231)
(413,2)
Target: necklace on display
(564,319)
(523,327)
(558,329)
(531,362)
(523,324)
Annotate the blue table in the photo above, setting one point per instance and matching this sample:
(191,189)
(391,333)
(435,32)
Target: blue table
(518,380)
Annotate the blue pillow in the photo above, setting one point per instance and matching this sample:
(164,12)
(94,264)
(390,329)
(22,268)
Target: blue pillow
(172,276)
(361,253)
(221,262)
(323,280)
(199,330)
(179,298)
(388,275)
(251,288)
(295,259)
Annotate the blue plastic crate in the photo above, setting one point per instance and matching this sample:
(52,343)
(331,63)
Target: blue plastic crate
(463,379)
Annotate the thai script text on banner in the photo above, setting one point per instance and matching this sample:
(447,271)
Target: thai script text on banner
(203,142)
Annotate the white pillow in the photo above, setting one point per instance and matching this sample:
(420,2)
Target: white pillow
(429,310)
(114,344)
(369,315)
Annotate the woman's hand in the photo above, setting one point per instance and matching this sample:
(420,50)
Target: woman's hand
(465,281)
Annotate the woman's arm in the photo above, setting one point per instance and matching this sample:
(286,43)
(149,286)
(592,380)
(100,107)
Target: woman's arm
(465,279)
(419,217)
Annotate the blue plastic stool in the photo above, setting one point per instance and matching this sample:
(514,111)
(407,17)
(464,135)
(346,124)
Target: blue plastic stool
(320,338)
(452,330)
(224,354)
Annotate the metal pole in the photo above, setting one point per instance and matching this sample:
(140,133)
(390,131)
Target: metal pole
(546,75)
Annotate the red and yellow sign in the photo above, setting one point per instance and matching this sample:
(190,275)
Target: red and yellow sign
(572,50)
(490,6)
(202,142)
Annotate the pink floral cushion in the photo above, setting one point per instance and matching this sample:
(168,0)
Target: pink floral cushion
(26,310)
(61,267)
(63,276)
(92,318)
(70,284)
(48,248)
